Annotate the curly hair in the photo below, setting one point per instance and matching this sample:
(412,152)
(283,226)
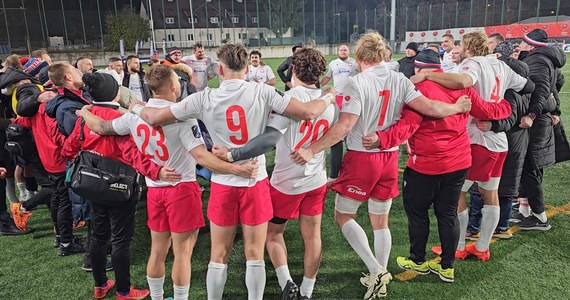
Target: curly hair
(371,48)
(476,43)
(233,56)
(309,65)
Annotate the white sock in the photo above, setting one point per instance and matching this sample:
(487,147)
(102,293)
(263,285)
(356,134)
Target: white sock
(463,222)
(181,292)
(358,240)
(541,216)
(489,220)
(255,279)
(155,286)
(283,275)
(524,208)
(22,189)
(216,280)
(29,194)
(382,246)
(307,286)
(11,190)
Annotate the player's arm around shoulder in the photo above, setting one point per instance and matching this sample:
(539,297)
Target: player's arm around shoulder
(311,109)
(210,161)
(95,123)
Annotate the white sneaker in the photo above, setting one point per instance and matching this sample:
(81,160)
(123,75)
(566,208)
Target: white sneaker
(377,285)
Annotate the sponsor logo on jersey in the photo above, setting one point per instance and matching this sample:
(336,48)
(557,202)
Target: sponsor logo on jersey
(279,92)
(196,131)
(355,190)
(347,98)
(465,68)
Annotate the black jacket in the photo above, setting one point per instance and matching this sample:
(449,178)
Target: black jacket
(63,106)
(517,137)
(286,66)
(145,92)
(407,66)
(542,62)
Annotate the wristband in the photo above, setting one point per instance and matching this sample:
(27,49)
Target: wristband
(137,109)
(532,115)
(230,156)
(329,99)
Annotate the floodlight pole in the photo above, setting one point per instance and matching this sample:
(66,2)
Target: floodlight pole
(393,25)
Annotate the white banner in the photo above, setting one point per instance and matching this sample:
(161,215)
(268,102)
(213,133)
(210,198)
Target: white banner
(434,36)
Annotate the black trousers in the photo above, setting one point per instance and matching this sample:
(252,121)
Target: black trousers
(118,224)
(531,188)
(61,207)
(420,191)
(43,196)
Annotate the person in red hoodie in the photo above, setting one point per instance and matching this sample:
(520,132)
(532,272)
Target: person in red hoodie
(116,223)
(439,156)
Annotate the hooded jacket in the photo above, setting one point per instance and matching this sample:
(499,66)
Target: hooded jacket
(30,90)
(542,62)
(63,106)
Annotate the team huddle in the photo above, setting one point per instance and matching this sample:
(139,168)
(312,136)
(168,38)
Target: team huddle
(459,116)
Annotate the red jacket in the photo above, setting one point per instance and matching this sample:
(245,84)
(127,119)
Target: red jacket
(440,146)
(121,148)
(48,139)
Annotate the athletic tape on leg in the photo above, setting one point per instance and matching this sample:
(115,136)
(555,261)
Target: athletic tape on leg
(379,207)
(346,205)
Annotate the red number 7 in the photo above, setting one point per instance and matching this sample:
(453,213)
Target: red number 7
(385,101)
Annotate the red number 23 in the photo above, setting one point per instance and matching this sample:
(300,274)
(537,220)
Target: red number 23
(145,132)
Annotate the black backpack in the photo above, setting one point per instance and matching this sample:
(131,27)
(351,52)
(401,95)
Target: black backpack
(20,144)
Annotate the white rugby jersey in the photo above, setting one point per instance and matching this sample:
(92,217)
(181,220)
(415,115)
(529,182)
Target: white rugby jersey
(262,73)
(377,95)
(167,145)
(447,63)
(234,113)
(289,177)
(201,70)
(340,70)
(491,78)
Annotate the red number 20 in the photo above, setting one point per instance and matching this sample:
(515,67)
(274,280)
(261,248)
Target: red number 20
(309,130)
(144,130)
(240,126)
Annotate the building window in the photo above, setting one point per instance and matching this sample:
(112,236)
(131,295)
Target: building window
(190,37)
(243,36)
(171,37)
(195,20)
(209,36)
(235,20)
(227,36)
(169,20)
(254,20)
(214,20)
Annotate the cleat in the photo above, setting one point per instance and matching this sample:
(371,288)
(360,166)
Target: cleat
(291,291)
(377,285)
(516,218)
(364,279)
(408,264)
(73,248)
(533,223)
(79,224)
(481,255)
(20,218)
(472,236)
(134,294)
(101,292)
(503,234)
(447,275)
(459,254)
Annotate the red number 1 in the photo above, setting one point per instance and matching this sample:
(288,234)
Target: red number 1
(385,101)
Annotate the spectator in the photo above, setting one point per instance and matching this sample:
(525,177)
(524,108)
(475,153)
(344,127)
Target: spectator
(134,78)
(286,66)
(407,63)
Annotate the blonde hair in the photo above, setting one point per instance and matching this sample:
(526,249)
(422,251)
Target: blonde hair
(371,48)
(13,61)
(57,72)
(476,43)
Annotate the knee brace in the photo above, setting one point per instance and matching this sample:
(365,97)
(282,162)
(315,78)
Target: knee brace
(379,207)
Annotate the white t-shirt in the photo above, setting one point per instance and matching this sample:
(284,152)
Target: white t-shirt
(447,63)
(234,113)
(262,73)
(340,70)
(377,95)
(135,85)
(289,177)
(166,146)
(491,78)
(392,65)
(201,70)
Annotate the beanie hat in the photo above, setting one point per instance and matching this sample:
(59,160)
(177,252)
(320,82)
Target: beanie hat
(34,66)
(298,45)
(24,60)
(537,38)
(413,46)
(173,51)
(427,59)
(101,86)
(505,48)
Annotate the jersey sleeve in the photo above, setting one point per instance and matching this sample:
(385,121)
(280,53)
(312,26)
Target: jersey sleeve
(409,90)
(471,68)
(190,107)
(190,135)
(279,122)
(122,125)
(270,74)
(516,82)
(352,101)
(275,98)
